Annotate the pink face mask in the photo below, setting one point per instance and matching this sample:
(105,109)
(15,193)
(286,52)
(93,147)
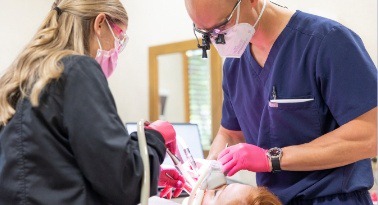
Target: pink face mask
(108,59)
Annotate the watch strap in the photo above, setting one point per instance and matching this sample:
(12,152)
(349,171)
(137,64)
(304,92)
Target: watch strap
(276,167)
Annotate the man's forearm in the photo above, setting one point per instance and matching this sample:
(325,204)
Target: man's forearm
(221,140)
(349,143)
(217,146)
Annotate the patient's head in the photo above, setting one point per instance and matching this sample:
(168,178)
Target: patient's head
(239,194)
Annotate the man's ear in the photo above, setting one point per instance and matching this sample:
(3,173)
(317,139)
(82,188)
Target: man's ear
(99,23)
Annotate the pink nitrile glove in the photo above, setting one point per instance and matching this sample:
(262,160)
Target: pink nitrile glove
(167,131)
(170,178)
(374,196)
(244,156)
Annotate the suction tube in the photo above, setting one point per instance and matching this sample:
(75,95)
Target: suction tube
(204,171)
(145,191)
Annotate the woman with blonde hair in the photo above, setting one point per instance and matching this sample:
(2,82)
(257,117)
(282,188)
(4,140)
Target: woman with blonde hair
(61,139)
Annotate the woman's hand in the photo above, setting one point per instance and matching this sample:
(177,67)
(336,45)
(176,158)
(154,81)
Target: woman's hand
(170,179)
(167,131)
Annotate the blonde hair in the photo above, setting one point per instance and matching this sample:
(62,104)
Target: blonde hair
(257,196)
(61,34)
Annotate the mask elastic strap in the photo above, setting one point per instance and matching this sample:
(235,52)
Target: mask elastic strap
(110,28)
(238,14)
(99,44)
(262,11)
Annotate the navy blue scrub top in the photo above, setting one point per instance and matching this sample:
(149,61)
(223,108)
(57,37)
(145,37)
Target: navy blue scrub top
(316,59)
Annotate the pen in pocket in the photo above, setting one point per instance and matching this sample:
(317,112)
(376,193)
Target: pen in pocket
(274,93)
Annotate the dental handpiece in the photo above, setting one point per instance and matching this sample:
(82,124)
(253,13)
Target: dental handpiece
(188,155)
(181,169)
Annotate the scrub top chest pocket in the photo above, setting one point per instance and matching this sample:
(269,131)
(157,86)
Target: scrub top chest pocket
(293,120)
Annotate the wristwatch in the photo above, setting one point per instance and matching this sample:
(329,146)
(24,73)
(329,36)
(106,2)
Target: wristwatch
(275,154)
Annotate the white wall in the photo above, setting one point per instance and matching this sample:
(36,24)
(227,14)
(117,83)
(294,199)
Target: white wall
(360,16)
(20,20)
(171,84)
(151,22)
(155,22)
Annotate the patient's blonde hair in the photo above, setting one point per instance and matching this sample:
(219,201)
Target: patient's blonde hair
(61,34)
(257,196)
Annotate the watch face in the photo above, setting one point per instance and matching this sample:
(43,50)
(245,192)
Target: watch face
(275,152)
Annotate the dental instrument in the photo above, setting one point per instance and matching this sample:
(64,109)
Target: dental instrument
(181,169)
(186,188)
(188,155)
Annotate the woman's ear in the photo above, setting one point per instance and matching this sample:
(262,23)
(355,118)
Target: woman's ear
(99,23)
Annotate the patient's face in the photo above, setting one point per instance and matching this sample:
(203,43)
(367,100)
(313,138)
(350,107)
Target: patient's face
(225,194)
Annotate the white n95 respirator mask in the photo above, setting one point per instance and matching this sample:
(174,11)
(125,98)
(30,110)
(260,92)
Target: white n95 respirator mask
(236,38)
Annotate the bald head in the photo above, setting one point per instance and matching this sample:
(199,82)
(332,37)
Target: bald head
(208,13)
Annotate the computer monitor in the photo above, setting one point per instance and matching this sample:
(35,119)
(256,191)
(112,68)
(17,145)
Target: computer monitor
(188,132)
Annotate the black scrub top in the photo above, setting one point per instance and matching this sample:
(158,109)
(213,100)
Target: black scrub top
(73,148)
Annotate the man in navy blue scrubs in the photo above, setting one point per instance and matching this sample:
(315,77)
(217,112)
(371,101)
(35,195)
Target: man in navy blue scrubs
(300,97)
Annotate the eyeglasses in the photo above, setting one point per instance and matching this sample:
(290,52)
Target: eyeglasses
(218,28)
(211,33)
(122,36)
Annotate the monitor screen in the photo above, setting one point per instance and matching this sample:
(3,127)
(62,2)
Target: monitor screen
(188,132)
